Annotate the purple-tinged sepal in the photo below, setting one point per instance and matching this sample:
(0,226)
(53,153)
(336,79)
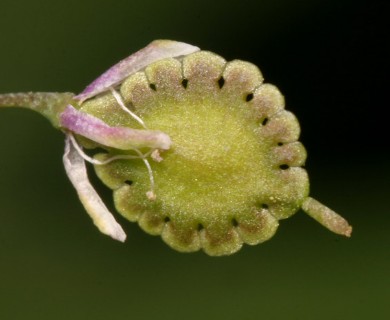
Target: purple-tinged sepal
(122,138)
(156,50)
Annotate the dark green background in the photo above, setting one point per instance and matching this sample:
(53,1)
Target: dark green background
(327,57)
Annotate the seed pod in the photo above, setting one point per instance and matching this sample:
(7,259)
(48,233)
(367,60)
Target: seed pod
(227,161)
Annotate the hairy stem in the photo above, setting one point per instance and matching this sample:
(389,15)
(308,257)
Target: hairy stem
(49,104)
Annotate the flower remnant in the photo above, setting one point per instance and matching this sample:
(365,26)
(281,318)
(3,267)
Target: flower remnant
(196,149)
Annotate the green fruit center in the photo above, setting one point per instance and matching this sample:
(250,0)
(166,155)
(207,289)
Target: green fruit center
(216,163)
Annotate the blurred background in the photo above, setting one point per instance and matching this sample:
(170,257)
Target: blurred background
(329,60)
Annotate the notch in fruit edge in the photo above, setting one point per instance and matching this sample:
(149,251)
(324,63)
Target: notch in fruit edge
(197,149)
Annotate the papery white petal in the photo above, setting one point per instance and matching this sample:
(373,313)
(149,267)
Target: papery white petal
(93,204)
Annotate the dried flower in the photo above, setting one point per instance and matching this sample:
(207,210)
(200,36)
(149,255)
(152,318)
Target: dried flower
(226,166)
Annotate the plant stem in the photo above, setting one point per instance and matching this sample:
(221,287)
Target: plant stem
(49,104)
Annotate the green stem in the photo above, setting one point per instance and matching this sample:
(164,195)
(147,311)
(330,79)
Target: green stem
(49,104)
